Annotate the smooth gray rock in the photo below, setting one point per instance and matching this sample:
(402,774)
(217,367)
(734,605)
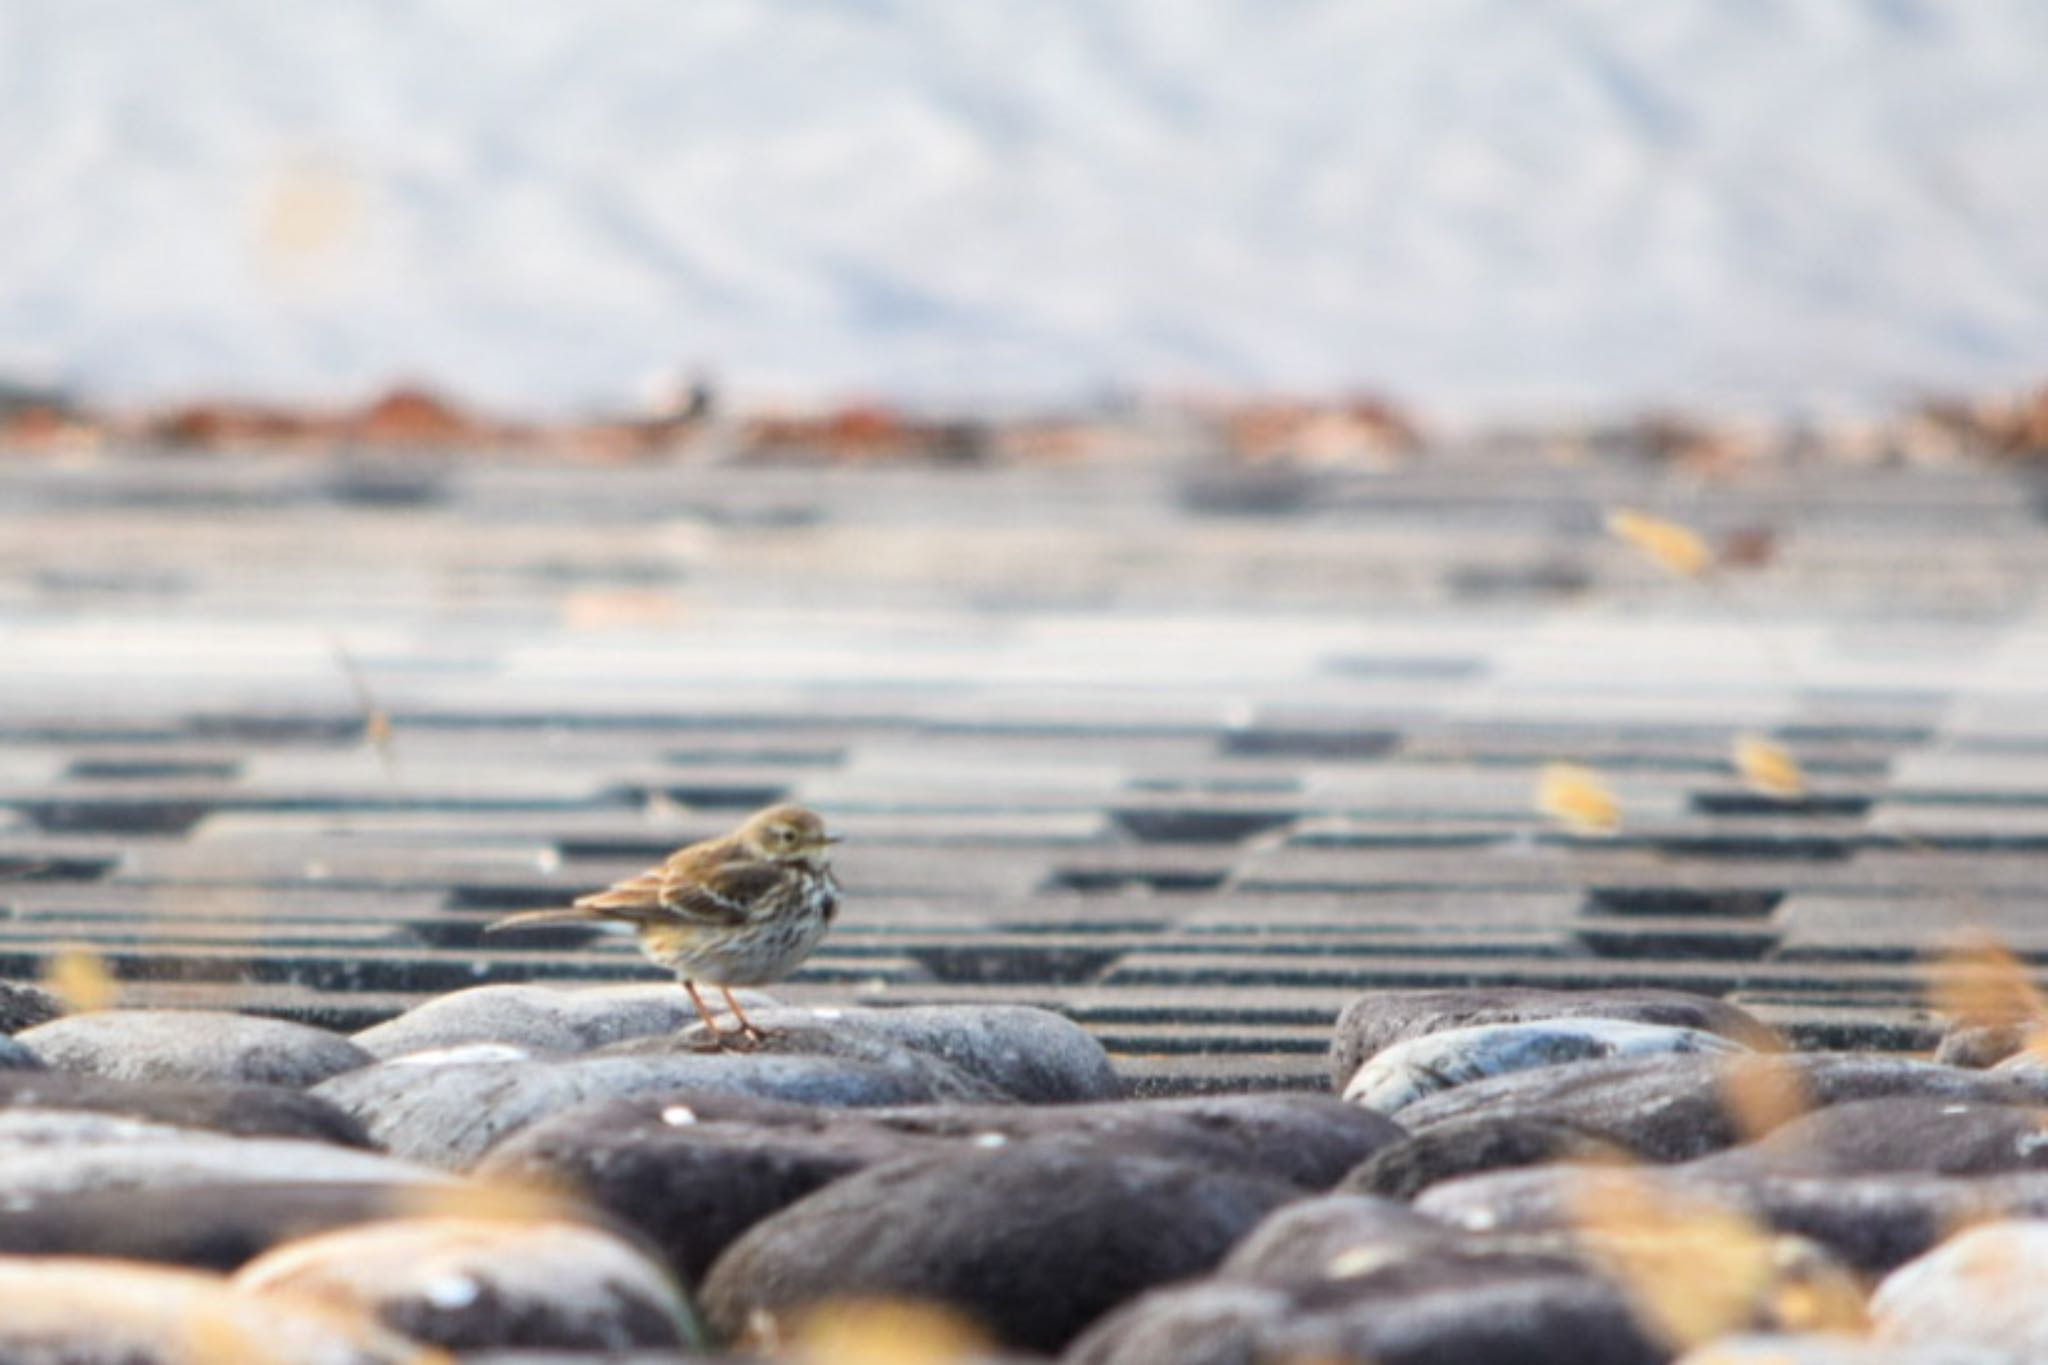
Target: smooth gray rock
(23,1006)
(448,1110)
(1031,1055)
(466,1284)
(1416,1068)
(1434,1315)
(54,1152)
(1983,1045)
(1322,1238)
(1034,1242)
(17,1057)
(1907,1134)
(1306,1140)
(1873,1223)
(1980,1288)
(1379,1019)
(1674,1108)
(79,1311)
(691,1172)
(206,1226)
(1475,1144)
(1817,1349)
(193,1045)
(238,1110)
(536,1018)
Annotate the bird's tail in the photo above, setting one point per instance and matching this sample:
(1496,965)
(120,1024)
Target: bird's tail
(566,914)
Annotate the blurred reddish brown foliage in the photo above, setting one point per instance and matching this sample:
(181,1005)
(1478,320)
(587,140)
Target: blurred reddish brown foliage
(1364,429)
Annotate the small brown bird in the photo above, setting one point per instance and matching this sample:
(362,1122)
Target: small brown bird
(740,910)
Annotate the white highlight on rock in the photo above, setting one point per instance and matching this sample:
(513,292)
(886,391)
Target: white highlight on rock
(465,1052)
(451,1291)
(1399,1075)
(678,1116)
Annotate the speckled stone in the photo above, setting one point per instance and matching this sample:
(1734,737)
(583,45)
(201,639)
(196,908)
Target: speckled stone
(1033,1242)
(448,1110)
(1379,1019)
(1416,1068)
(193,1045)
(465,1284)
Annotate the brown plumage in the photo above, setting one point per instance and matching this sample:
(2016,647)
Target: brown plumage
(743,909)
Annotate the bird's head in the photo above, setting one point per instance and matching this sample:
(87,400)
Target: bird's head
(787,834)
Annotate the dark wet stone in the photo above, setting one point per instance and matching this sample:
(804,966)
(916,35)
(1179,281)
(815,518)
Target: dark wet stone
(448,1109)
(464,1284)
(80,1311)
(1307,1140)
(1416,1068)
(1982,1045)
(1674,1108)
(692,1172)
(239,1110)
(1423,1315)
(1312,1239)
(554,1019)
(1477,1143)
(1031,1055)
(23,1006)
(1032,1241)
(1818,1349)
(1873,1223)
(1379,1019)
(1910,1134)
(1980,1287)
(204,1226)
(193,1045)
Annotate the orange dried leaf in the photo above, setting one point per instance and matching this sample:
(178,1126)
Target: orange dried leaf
(499,1200)
(1768,768)
(887,1332)
(1762,1091)
(1695,1270)
(1978,982)
(1678,548)
(81,979)
(1577,798)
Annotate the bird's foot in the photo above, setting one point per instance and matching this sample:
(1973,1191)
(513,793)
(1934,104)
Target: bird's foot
(745,1039)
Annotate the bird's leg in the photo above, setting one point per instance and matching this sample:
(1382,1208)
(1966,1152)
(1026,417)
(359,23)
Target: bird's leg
(747,1028)
(704,1013)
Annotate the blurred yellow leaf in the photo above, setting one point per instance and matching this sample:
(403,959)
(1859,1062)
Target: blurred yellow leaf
(1577,798)
(1762,1091)
(1768,768)
(1695,1270)
(499,1200)
(1678,548)
(886,1332)
(1977,982)
(80,978)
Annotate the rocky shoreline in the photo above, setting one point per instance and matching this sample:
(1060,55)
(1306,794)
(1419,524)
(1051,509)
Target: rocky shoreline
(1624,1176)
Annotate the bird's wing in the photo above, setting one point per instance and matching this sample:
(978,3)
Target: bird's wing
(723,893)
(637,899)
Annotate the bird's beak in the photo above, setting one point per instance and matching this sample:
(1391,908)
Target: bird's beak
(832,838)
